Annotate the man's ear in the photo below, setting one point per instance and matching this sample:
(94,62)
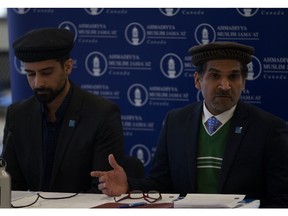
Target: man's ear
(68,66)
(197,80)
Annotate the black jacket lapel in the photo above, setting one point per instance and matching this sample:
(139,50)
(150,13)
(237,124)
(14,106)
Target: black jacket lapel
(69,125)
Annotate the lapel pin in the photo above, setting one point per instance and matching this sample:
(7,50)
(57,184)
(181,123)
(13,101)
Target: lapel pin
(238,130)
(72,123)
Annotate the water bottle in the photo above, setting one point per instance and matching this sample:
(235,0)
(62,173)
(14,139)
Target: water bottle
(5,186)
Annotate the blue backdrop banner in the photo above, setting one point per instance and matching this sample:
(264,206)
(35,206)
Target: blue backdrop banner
(138,57)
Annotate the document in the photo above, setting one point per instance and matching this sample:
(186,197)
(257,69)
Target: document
(52,200)
(17,195)
(209,201)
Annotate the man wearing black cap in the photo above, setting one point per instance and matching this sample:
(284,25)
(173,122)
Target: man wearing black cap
(54,139)
(220,145)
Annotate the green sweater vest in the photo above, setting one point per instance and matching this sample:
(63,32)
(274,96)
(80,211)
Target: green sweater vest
(209,159)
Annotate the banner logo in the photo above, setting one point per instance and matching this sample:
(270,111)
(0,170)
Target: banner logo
(141,152)
(19,66)
(247,12)
(169,11)
(171,65)
(135,34)
(204,34)
(96,64)
(254,69)
(69,26)
(21,10)
(137,95)
(94,11)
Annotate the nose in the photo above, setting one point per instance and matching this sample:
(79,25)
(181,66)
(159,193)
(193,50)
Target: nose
(224,84)
(38,81)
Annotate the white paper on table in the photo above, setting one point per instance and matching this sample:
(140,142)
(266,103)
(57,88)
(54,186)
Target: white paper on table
(17,195)
(78,201)
(209,201)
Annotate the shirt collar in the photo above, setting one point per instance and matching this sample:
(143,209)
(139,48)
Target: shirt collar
(223,117)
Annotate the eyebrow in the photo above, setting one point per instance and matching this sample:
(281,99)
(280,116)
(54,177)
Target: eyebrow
(213,70)
(218,71)
(41,70)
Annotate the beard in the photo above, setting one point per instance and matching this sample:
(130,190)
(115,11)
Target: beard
(47,95)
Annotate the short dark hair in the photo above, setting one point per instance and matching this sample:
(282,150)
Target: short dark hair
(62,60)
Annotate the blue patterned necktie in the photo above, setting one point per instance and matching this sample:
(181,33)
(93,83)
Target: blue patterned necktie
(212,124)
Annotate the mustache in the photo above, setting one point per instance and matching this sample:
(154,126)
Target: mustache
(223,94)
(41,89)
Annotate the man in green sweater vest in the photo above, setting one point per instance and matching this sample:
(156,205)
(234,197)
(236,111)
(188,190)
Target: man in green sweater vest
(220,145)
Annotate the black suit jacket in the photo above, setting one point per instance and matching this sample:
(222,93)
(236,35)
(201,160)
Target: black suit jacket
(255,161)
(81,147)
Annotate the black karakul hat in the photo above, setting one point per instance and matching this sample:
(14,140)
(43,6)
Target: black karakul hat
(221,50)
(43,44)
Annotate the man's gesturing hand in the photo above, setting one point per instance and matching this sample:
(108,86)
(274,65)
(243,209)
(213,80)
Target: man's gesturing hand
(113,182)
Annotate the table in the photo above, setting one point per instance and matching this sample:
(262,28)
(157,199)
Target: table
(81,200)
(88,201)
